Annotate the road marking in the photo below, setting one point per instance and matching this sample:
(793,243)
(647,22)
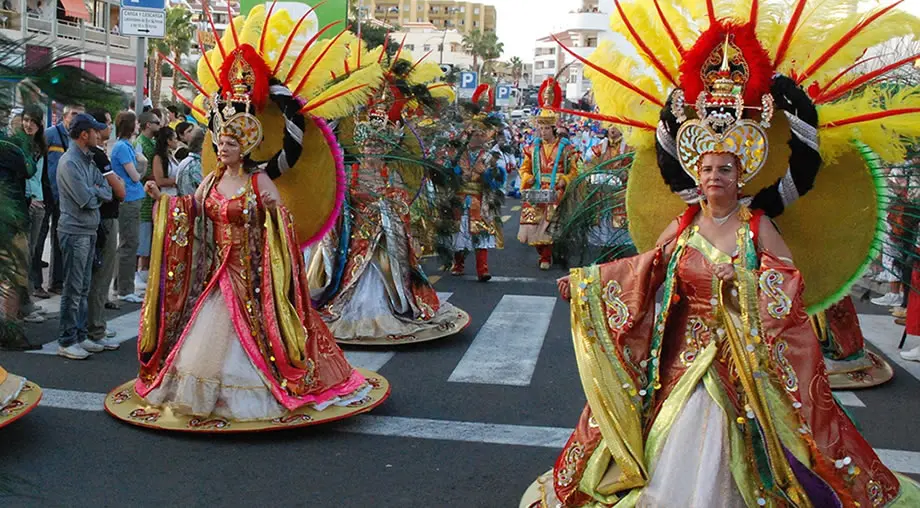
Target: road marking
(506,349)
(124,326)
(370,360)
(526,280)
(506,218)
(884,334)
(445,295)
(849,399)
(516,208)
(434,279)
(424,428)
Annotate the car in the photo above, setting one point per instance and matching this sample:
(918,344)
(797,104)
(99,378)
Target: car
(517,114)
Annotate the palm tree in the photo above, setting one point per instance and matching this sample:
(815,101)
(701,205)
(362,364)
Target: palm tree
(472,44)
(490,48)
(517,69)
(180,31)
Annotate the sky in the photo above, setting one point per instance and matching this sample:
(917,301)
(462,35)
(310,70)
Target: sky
(521,22)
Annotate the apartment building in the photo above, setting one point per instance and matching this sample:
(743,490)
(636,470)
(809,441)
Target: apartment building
(463,17)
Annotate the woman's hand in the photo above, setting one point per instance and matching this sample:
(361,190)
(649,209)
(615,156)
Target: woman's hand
(724,271)
(37,205)
(269,201)
(152,189)
(564,289)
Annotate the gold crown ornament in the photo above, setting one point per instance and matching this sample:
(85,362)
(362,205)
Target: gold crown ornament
(233,114)
(550,99)
(721,126)
(377,126)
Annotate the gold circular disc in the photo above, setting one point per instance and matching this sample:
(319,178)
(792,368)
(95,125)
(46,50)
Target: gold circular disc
(452,321)
(26,401)
(124,404)
(835,221)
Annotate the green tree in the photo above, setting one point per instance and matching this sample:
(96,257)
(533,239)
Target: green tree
(491,48)
(180,32)
(472,44)
(517,69)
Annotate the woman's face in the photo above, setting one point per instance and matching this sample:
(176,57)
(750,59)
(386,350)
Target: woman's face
(229,151)
(173,142)
(137,127)
(719,176)
(29,125)
(187,136)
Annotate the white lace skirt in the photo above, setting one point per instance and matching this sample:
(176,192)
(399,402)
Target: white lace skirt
(212,375)
(692,470)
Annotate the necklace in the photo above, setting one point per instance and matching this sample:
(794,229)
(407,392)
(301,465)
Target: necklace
(720,221)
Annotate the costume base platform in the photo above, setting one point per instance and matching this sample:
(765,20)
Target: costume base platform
(533,496)
(27,400)
(124,404)
(879,372)
(444,326)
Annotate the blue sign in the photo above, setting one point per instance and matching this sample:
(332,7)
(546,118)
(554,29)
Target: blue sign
(469,80)
(158,5)
(503,93)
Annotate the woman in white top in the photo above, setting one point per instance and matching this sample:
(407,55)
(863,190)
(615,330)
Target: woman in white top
(165,166)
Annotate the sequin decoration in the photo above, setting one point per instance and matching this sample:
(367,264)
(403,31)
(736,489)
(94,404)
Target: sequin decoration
(574,453)
(876,493)
(790,380)
(617,311)
(697,332)
(771,283)
(182,224)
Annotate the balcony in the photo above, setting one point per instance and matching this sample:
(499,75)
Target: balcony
(597,21)
(92,39)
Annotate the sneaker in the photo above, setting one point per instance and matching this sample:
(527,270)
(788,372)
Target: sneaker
(40,293)
(106,344)
(56,290)
(109,333)
(544,265)
(901,321)
(912,355)
(34,317)
(74,352)
(92,347)
(140,284)
(132,298)
(889,300)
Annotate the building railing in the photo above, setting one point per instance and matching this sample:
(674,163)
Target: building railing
(89,37)
(10,20)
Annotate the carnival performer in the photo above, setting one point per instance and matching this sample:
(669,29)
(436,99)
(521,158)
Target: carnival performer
(732,349)
(368,282)
(228,340)
(548,166)
(477,208)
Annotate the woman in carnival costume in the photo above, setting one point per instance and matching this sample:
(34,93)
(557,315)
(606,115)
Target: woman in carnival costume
(732,350)
(228,340)
(366,276)
(476,224)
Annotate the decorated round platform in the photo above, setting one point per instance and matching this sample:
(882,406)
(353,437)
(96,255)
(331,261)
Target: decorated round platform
(533,496)
(442,326)
(871,371)
(26,401)
(123,403)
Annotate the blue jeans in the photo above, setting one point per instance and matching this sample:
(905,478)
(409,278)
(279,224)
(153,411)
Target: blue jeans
(78,253)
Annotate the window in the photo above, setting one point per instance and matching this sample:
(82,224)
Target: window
(426,47)
(475,24)
(476,11)
(410,47)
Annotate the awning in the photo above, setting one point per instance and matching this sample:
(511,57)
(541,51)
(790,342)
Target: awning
(75,9)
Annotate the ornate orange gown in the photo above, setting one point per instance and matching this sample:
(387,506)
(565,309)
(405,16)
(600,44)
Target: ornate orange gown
(544,166)
(721,399)
(229,331)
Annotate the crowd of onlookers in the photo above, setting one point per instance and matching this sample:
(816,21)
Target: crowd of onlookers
(79,183)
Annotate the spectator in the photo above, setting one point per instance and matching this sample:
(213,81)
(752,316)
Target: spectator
(106,238)
(31,138)
(82,191)
(58,141)
(172,113)
(164,162)
(188,176)
(124,164)
(184,132)
(145,146)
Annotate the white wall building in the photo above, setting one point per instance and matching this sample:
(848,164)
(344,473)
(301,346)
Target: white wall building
(583,29)
(446,46)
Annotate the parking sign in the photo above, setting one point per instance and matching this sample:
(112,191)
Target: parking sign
(503,95)
(468,83)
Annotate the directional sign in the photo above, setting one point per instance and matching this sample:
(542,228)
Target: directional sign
(503,95)
(143,23)
(468,83)
(156,5)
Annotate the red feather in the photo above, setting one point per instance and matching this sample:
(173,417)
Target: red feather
(711,10)
(290,39)
(399,51)
(399,103)
(184,74)
(557,94)
(260,71)
(744,37)
(477,94)
(841,90)
(606,118)
(787,35)
(220,45)
(613,77)
(307,47)
(236,37)
(265,26)
(755,7)
(420,61)
(645,49)
(669,29)
(316,62)
(189,103)
(844,41)
(868,117)
(822,88)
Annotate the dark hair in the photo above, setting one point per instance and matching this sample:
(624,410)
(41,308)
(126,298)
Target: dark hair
(99,115)
(196,144)
(158,112)
(37,115)
(162,145)
(173,109)
(182,128)
(124,124)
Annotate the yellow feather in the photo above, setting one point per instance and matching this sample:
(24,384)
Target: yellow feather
(370,76)
(251,31)
(199,103)
(885,136)
(442,92)
(739,10)
(425,72)
(682,25)
(205,78)
(333,61)
(648,25)
(772,20)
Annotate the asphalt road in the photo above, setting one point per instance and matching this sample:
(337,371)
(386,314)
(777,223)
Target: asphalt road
(436,442)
